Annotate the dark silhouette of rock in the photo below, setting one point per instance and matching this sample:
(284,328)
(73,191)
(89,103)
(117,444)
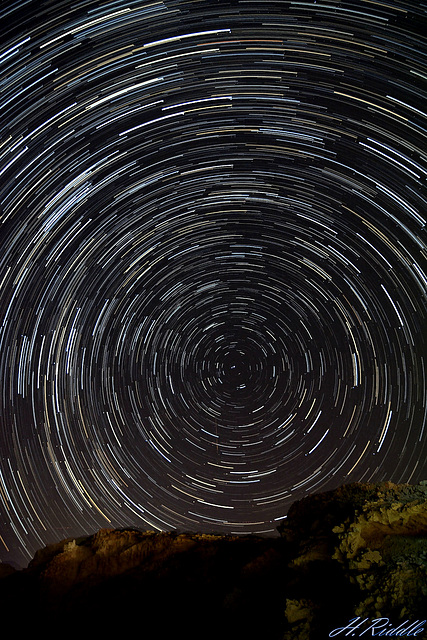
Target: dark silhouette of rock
(6,570)
(360,550)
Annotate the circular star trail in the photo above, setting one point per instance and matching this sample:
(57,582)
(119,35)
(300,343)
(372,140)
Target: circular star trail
(213,260)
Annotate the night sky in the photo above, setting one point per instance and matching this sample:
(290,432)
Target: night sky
(213,261)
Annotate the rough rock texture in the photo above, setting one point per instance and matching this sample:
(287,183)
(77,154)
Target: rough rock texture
(360,550)
(158,585)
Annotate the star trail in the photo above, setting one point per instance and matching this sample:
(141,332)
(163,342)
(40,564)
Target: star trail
(213,260)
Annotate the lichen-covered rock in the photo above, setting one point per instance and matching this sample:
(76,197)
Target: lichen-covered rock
(372,541)
(300,615)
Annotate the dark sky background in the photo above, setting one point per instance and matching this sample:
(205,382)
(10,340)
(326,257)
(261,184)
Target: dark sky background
(213,261)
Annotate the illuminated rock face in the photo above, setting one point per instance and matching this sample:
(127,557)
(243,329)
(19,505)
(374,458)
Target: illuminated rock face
(127,579)
(358,551)
(369,542)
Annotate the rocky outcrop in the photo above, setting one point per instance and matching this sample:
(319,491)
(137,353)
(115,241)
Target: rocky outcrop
(369,543)
(157,584)
(358,551)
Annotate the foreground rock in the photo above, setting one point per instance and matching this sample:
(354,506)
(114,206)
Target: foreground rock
(158,585)
(360,550)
